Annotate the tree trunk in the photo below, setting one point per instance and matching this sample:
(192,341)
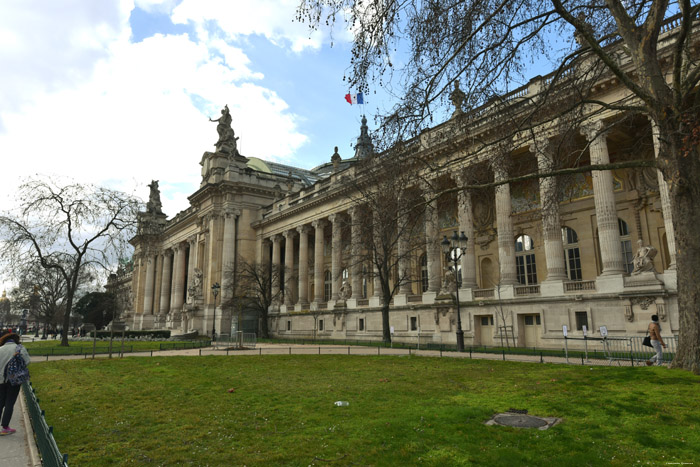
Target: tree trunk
(386,330)
(685,193)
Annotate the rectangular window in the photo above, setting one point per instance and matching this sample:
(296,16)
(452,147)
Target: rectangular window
(485,320)
(529,320)
(289,325)
(424,280)
(581,320)
(573,264)
(362,324)
(526,269)
(537,320)
(320,325)
(414,323)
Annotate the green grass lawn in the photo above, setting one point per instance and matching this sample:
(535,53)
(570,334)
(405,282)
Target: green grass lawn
(403,411)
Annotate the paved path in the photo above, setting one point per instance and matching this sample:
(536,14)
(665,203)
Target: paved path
(19,449)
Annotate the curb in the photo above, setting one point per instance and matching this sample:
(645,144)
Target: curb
(34,458)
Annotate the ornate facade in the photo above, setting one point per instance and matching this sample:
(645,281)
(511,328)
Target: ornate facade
(586,250)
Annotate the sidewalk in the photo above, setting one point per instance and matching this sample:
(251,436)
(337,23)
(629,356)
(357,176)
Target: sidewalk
(19,449)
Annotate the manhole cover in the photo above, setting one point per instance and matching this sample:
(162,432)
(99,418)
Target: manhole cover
(520,421)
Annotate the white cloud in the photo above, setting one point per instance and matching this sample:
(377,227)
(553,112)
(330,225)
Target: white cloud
(272,19)
(104,110)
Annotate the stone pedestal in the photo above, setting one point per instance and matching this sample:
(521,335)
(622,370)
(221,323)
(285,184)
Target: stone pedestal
(552,288)
(400,299)
(613,283)
(429,297)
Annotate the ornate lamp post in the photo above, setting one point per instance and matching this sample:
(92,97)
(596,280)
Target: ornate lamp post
(454,248)
(215,290)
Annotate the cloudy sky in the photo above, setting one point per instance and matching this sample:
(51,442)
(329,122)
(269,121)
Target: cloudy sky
(118,92)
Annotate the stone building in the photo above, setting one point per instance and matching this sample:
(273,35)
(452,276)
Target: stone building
(588,250)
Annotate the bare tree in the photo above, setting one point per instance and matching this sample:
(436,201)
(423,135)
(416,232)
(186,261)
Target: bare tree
(647,46)
(387,228)
(248,287)
(71,229)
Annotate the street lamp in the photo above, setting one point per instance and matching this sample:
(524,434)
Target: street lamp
(454,248)
(215,290)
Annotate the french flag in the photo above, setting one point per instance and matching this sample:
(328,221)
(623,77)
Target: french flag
(355,98)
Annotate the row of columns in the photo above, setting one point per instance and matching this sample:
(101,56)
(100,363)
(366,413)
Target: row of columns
(606,217)
(172,280)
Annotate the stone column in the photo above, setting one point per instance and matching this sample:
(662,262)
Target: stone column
(319,226)
(228,254)
(432,245)
(303,301)
(376,281)
(288,266)
(336,255)
(148,289)
(356,252)
(194,253)
(551,225)
(213,257)
(178,289)
(665,201)
(276,260)
(604,197)
(504,224)
(465,217)
(404,266)
(165,278)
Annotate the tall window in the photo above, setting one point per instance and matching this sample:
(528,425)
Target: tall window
(364,281)
(626,245)
(525,260)
(327,285)
(571,253)
(581,320)
(424,273)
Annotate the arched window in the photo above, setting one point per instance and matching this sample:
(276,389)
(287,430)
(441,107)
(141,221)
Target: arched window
(327,285)
(571,253)
(424,273)
(626,245)
(525,260)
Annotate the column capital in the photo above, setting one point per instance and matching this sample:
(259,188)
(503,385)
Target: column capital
(335,217)
(289,234)
(231,212)
(304,229)
(319,223)
(594,129)
(276,238)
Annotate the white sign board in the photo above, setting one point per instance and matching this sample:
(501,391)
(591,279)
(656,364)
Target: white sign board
(391,329)
(585,330)
(563,329)
(604,331)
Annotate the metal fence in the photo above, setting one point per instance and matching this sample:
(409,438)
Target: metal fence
(239,340)
(50,454)
(116,348)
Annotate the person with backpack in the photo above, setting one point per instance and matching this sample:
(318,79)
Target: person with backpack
(14,359)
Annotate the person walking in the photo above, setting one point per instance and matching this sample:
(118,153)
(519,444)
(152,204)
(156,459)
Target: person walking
(656,341)
(9,346)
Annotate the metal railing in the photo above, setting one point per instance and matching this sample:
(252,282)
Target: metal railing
(48,449)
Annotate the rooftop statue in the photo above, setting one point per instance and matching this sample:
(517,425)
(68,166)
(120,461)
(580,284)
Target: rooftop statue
(154,205)
(227,138)
(457,97)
